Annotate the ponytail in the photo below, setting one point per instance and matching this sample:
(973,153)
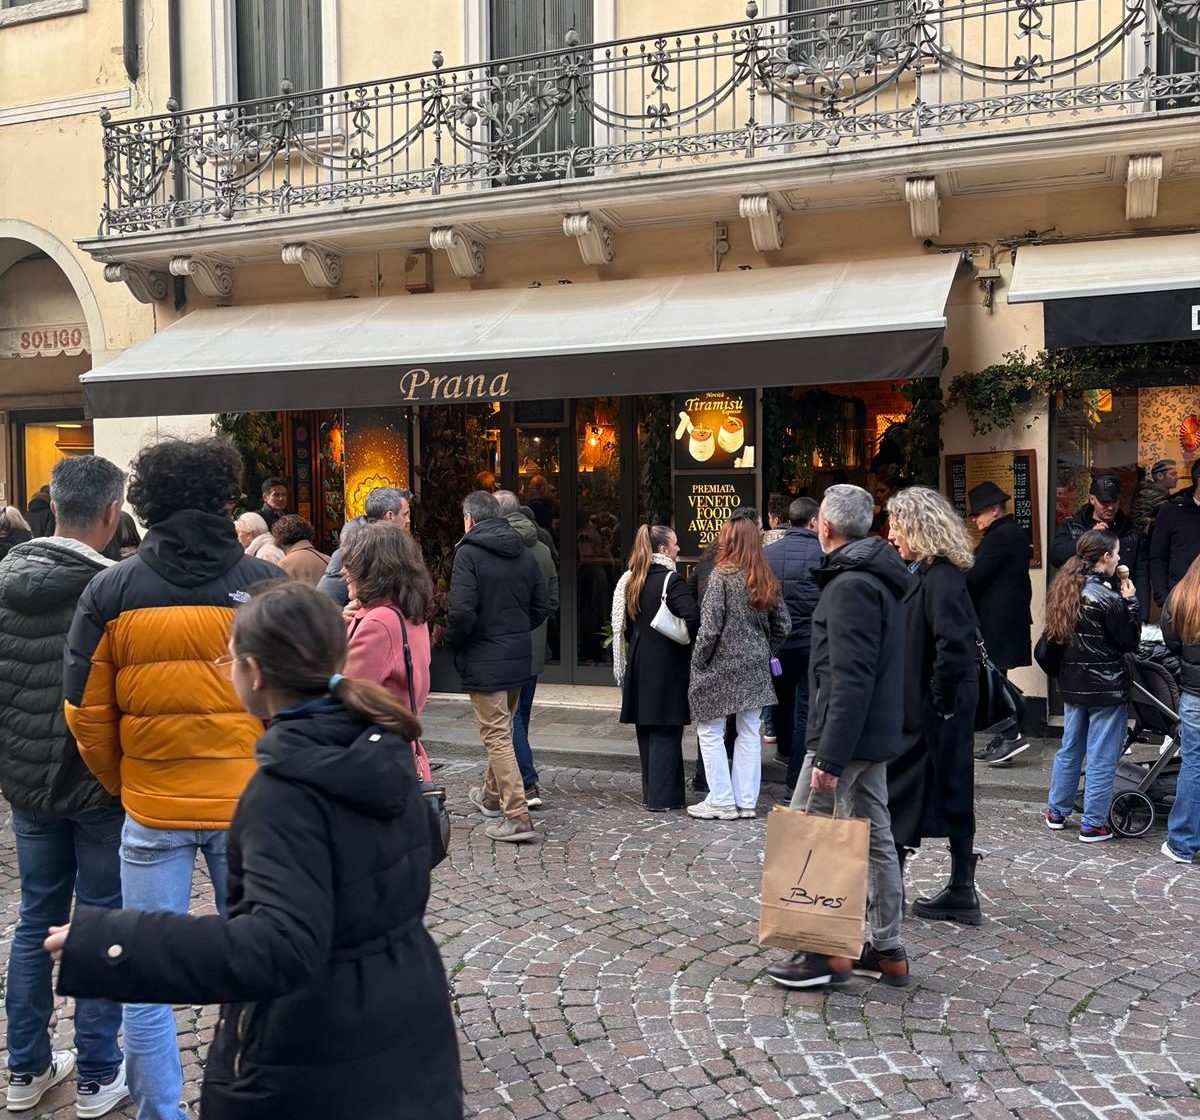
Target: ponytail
(1064,598)
(649,539)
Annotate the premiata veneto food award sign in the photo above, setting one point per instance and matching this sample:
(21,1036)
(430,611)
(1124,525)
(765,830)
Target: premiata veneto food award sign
(704,502)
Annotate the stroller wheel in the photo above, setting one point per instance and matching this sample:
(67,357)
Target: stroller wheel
(1132,813)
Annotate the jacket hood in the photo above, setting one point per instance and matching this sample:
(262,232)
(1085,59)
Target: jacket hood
(871,554)
(191,548)
(38,502)
(497,536)
(325,746)
(43,574)
(525,528)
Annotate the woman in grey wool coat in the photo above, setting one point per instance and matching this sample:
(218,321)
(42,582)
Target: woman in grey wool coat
(743,621)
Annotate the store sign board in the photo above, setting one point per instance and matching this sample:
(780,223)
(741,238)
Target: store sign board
(1015,472)
(704,502)
(43,341)
(715,430)
(1126,319)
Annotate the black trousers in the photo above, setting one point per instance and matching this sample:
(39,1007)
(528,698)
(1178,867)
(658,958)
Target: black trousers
(791,713)
(661,752)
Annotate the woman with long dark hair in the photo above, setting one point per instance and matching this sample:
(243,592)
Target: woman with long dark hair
(654,677)
(931,786)
(388,635)
(1181,632)
(743,621)
(334,996)
(1097,627)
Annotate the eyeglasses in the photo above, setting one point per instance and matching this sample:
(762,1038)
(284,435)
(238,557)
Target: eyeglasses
(224,664)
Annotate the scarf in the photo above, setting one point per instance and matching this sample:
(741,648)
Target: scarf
(618,615)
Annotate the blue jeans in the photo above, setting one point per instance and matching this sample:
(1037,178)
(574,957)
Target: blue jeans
(1098,733)
(1183,826)
(58,856)
(156,874)
(521,747)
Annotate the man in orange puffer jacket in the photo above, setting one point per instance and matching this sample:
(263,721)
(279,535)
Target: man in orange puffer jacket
(156,721)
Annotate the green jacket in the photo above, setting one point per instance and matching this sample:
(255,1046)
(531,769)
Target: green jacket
(527,531)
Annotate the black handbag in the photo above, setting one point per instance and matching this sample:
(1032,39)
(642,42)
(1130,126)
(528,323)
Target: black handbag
(999,698)
(434,796)
(1049,655)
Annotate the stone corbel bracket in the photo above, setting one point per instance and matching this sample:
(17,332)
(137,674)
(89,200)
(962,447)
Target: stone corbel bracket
(766,223)
(465,253)
(213,279)
(924,207)
(322,266)
(594,237)
(146,285)
(1142,177)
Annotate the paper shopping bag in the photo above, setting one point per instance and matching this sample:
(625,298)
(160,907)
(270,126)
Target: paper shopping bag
(814,883)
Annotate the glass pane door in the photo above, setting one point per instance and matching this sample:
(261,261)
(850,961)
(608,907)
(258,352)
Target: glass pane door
(539,453)
(599,546)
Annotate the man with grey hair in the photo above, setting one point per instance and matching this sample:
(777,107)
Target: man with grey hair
(856,679)
(67,828)
(384,503)
(527,530)
(497,597)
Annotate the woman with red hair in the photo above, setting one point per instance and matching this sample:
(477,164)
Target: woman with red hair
(743,621)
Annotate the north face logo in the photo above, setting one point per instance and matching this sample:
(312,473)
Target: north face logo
(240,596)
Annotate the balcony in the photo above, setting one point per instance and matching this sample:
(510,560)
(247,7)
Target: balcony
(862,81)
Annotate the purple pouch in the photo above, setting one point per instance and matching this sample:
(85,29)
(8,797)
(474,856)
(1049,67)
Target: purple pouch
(776,668)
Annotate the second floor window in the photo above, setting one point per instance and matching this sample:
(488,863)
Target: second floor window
(277,40)
(808,17)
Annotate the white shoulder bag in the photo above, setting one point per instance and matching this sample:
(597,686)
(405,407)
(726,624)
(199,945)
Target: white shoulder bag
(667,624)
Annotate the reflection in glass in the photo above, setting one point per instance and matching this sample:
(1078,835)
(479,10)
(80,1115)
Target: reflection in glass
(598,534)
(538,467)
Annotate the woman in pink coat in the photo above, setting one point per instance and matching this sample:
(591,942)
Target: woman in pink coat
(390,598)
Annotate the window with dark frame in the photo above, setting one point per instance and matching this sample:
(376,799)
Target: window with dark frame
(808,17)
(277,41)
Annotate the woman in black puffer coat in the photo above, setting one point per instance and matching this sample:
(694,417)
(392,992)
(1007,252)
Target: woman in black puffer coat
(1097,627)
(335,1001)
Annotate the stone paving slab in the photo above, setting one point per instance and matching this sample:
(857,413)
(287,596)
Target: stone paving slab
(611,971)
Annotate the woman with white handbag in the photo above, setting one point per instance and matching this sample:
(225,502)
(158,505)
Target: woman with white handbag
(654,612)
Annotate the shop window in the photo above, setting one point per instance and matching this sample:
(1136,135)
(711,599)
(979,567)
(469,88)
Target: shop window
(598,543)
(277,40)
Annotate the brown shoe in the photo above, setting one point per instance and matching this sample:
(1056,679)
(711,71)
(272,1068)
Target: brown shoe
(514,830)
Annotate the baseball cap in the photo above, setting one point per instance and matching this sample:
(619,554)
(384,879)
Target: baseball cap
(1161,465)
(1106,488)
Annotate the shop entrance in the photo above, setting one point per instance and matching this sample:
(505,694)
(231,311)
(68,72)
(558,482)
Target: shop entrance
(572,464)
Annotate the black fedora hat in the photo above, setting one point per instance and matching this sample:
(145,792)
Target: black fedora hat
(984,496)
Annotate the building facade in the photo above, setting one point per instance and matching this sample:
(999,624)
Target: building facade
(626,269)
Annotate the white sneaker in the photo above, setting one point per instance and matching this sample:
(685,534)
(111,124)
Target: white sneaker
(706,811)
(25,1090)
(1171,854)
(95,1099)
(746,814)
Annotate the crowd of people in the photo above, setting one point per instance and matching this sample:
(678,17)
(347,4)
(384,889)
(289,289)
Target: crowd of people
(221,688)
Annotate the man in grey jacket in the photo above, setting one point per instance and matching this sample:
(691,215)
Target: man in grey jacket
(67,828)
(510,510)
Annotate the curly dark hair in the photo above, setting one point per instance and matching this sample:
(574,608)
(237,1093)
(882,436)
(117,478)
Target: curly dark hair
(290,529)
(175,474)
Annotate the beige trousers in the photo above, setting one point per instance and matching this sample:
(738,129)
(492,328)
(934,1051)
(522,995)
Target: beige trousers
(502,782)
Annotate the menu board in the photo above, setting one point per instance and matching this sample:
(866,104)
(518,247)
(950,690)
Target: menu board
(715,431)
(1015,472)
(704,502)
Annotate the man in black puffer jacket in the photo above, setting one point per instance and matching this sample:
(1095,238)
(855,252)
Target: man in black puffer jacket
(68,829)
(792,558)
(497,597)
(1103,511)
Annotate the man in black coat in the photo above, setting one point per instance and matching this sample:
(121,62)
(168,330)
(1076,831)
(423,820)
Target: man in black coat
(497,597)
(856,679)
(1001,591)
(792,558)
(1175,542)
(276,499)
(1103,511)
(67,828)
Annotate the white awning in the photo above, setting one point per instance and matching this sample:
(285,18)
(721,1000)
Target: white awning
(857,321)
(1106,268)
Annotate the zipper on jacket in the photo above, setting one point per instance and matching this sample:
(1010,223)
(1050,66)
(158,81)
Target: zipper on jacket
(239,1039)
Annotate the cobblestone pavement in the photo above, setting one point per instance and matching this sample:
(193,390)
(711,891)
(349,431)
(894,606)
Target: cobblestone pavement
(612,971)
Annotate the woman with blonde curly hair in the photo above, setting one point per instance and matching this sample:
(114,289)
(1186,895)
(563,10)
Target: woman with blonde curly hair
(931,786)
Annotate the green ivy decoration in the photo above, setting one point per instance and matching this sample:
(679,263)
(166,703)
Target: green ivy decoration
(655,448)
(995,395)
(258,436)
(915,443)
(795,425)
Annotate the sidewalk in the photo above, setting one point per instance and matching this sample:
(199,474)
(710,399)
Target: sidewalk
(577,726)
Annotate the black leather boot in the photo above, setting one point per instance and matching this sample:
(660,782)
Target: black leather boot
(957,902)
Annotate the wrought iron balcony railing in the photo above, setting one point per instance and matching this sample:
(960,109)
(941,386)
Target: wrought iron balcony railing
(838,74)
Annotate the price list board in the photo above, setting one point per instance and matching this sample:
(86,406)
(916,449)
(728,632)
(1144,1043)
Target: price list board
(1015,472)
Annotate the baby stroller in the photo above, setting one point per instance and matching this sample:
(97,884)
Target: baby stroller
(1142,789)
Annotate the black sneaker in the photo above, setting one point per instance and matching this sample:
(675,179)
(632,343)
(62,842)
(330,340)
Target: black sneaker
(1092,834)
(1000,752)
(890,966)
(811,970)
